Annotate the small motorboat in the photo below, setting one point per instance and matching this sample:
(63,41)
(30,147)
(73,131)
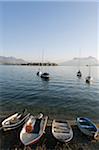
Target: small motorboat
(87,127)
(79,74)
(45,75)
(14,121)
(33,129)
(62,131)
(88,79)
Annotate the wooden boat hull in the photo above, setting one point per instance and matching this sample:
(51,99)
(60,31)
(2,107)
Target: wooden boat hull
(86,126)
(7,126)
(28,138)
(62,131)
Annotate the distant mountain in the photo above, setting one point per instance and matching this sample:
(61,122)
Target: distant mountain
(11,60)
(83,61)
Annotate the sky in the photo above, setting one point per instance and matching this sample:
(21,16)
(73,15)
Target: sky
(62,30)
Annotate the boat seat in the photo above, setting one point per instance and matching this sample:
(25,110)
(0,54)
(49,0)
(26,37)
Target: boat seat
(7,123)
(61,127)
(14,120)
(61,131)
(60,124)
(60,121)
(84,126)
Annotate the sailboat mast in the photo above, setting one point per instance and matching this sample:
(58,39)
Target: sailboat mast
(79,58)
(42,58)
(89,70)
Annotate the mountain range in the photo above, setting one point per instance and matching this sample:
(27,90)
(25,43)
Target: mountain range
(81,61)
(11,60)
(74,62)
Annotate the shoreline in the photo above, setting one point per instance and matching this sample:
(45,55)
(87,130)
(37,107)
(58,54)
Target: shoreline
(71,119)
(10,140)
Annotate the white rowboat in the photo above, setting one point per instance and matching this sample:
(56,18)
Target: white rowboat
(33,130)
(14,121)
(62,131)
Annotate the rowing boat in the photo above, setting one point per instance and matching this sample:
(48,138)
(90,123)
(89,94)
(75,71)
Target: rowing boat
(62,130)
(14,121)
(33,130)
(87,127)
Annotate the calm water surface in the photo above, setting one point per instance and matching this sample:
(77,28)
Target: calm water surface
(64,95)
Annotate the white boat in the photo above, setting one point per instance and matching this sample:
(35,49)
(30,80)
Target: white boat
(33,130)
(39,73)
(62,131)
(14,121)
(87,127)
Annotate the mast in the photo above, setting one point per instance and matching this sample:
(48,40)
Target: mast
(42,59)
(89,70)
(79,58)
(79,74)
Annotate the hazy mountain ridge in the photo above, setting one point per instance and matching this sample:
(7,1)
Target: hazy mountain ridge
(11,60)
(81,61)
(16,61)
(74,62)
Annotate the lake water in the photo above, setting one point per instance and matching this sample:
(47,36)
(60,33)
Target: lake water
(64,95)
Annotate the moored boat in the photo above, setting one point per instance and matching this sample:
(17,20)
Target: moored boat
(62,130)
(33,130)
(88,79)
(39,73)
(79,74)
(14,121)
(45,75)
(87,127)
